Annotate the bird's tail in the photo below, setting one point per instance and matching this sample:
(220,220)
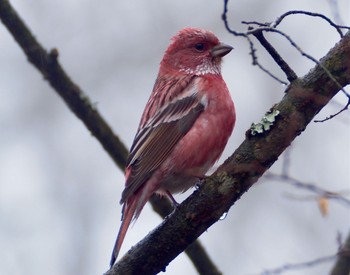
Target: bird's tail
(129,209)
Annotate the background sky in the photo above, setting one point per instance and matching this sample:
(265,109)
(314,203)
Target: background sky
(59,190)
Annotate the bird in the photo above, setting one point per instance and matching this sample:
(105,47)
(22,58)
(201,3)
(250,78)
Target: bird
(184,127)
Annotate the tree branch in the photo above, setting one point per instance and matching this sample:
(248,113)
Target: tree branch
(304,98)
(195,251)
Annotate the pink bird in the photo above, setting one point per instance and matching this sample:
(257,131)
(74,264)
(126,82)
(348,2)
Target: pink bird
(184,128)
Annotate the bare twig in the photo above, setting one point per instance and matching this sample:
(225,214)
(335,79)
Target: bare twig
(314,14)
(271,27)
(341,267)
(337,113)
(251,45)
(304,265)
(309,186)
(291,75)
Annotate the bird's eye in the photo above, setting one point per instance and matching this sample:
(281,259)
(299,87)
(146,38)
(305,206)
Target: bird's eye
(199,47)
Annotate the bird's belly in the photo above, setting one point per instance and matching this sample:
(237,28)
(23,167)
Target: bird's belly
(197,152)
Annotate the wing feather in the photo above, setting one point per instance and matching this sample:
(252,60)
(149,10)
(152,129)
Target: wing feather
(156,140)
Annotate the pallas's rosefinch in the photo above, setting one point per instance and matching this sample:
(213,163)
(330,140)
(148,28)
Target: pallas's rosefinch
(184,127)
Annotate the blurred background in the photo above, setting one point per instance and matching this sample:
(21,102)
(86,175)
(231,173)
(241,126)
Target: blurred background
(60,191)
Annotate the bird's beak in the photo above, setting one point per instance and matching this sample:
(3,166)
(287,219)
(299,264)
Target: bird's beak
(221,50)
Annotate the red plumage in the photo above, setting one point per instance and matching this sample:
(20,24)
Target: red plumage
(184,127)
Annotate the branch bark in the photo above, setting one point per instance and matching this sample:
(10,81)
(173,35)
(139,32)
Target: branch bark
(304,98)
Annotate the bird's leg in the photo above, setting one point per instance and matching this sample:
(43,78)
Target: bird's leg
(170,196)
(199,182)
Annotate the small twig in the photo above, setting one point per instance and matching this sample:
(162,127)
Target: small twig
(289,267)
(271,27)
(291,75)
(308,186)
(342,254)
(251,44)
(283,16)
(256,23)
(291,41)
(318,63)
(255,62)
(339,112)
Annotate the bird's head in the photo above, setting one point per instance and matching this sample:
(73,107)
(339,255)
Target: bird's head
(195,51)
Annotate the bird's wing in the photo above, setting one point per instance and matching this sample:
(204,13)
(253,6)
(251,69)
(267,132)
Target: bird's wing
(155,141)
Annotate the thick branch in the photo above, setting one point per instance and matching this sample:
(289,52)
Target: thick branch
(195,251)
(303,100)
